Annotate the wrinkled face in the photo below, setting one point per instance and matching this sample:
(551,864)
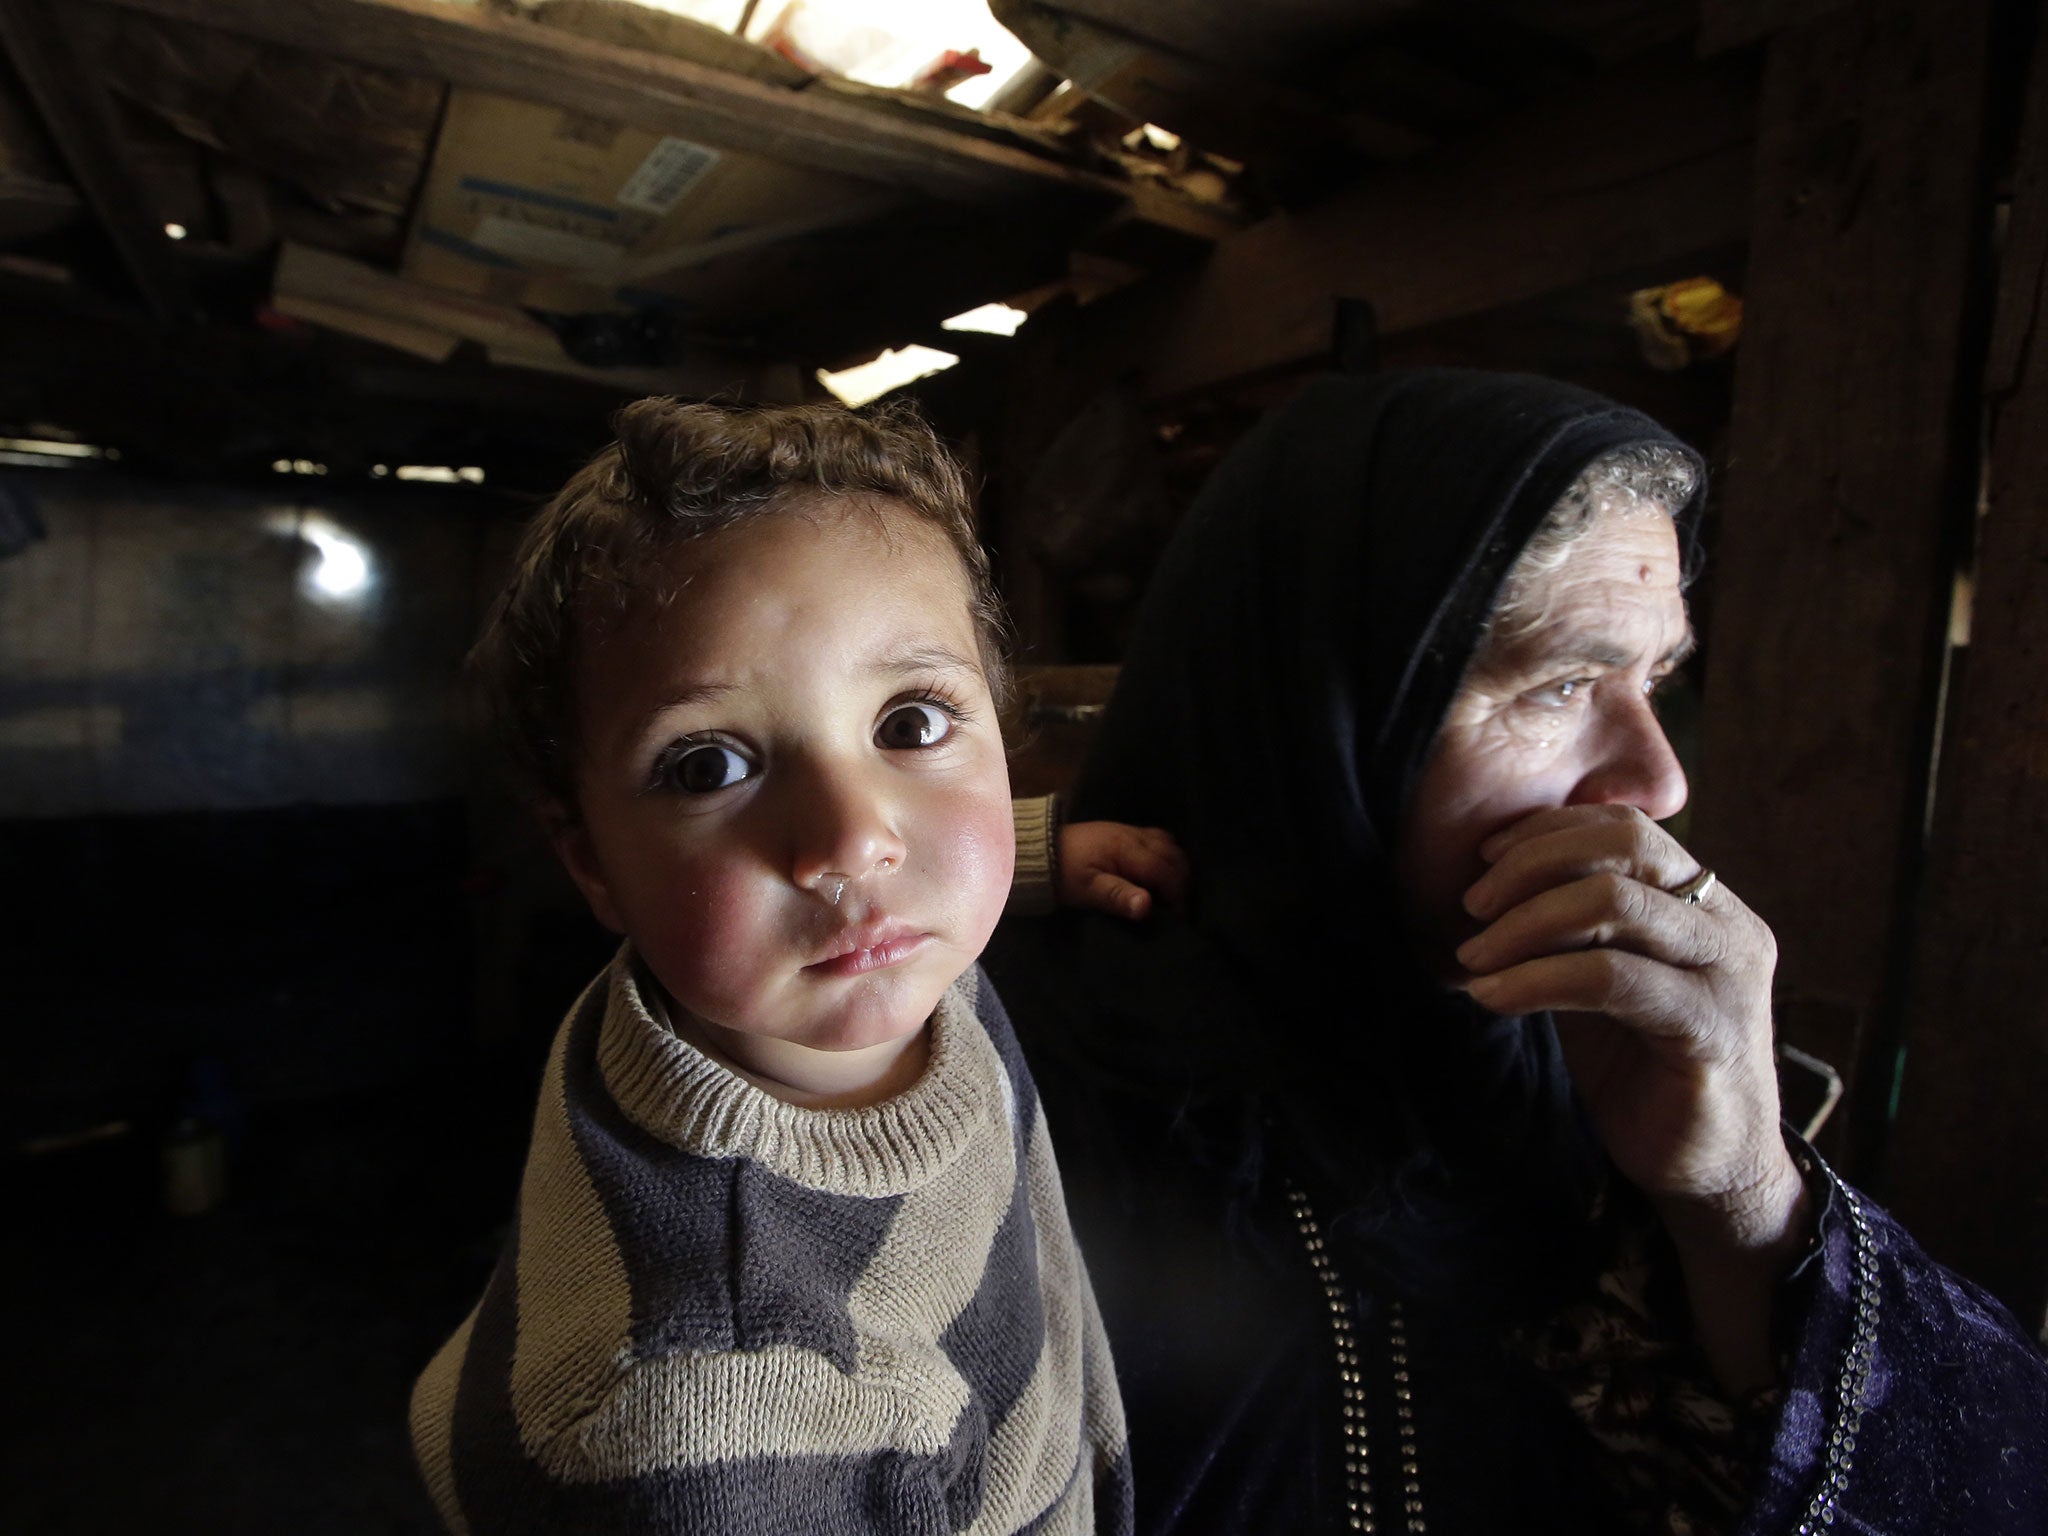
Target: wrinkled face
(1560,716)
(792,790)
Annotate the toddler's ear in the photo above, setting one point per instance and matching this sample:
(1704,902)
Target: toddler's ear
(572,845)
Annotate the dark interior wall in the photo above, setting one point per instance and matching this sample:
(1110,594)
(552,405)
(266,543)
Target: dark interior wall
(175,649)
(263,911)
(234,804)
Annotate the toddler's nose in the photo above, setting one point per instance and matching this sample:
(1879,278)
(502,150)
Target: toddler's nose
(845,833)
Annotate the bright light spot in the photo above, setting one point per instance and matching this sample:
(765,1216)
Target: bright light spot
(722,14)
(1006,59)
(280,466)
(894,368)
(992,319)
(176,231)
(437,474)
(53,447)
(297,467)
(1161,139)
(892,44)
(379,471)
(35,460)
(1961,608)
(343,571)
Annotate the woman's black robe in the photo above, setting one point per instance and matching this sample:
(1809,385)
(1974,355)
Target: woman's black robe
(1294,657)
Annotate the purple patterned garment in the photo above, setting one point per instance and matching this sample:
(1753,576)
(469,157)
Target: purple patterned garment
(1682,1461)
(1913,1401)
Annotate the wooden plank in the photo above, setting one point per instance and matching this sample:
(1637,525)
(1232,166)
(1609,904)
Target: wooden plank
(1851,463)
(879,284)
(74,104)
(1726,24)
(1969,1163)
(117,378)
(31,206)
(1545,200)
(486,51)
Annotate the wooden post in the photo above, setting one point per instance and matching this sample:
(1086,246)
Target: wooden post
(1852,457)
(1969,1165)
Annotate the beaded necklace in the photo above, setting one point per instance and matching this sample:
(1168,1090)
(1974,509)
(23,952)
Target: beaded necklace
(1361,1510)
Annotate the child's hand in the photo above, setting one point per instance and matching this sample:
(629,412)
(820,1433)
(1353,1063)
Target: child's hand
(1116,869)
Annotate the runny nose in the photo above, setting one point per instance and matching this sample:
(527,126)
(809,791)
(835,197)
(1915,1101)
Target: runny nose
(1635,765)
(845,835)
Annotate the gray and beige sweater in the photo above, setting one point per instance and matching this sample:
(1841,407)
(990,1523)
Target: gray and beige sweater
(720,1313)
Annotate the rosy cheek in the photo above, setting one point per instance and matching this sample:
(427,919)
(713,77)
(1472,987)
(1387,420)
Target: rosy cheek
(978,859)
(702,934)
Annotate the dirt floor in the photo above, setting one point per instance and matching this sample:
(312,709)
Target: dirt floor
(246,1370)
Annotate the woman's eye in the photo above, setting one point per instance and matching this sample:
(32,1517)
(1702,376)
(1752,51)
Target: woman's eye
(701,769)
(1558,695)
(914,725)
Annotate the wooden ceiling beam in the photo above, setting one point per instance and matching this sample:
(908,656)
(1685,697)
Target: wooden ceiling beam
(1629,172)
(31,206)
(79,114)
(230,407)
(485,51)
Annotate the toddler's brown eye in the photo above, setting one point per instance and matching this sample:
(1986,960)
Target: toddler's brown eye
(914,725)
(702,769)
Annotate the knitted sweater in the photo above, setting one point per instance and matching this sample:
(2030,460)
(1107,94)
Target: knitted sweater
(717,1312)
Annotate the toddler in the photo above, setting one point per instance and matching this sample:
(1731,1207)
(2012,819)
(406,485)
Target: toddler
(790,1252)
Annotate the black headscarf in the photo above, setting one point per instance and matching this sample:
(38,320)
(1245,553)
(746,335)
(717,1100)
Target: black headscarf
(1293,659)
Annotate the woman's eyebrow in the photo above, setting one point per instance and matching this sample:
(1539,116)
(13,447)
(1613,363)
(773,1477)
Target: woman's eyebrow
(1579,649)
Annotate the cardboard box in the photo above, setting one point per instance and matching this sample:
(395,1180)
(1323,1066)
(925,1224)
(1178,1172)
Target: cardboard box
(531,205)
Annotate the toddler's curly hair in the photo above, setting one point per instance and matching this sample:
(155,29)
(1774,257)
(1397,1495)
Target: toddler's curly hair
(681,472)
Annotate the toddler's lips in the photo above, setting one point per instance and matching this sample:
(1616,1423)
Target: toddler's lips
(870,947)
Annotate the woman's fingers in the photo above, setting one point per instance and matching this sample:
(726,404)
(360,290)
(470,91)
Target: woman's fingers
(1656,998)
(1600,911)
(1581,917)
(1572,843)
(1554,819)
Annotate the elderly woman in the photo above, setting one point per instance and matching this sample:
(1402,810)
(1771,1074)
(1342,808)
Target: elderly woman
(1429,1160)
